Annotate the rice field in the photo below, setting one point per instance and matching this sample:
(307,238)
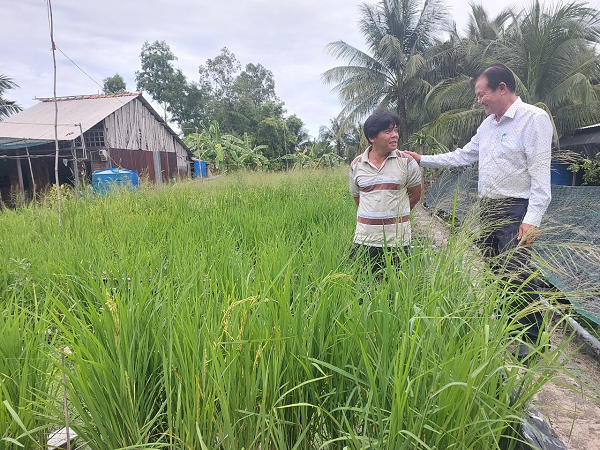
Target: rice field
(227,314)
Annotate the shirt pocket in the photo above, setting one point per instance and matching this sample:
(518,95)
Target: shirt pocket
(506,147)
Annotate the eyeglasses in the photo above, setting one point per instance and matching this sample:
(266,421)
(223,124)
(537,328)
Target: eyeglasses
(480,95)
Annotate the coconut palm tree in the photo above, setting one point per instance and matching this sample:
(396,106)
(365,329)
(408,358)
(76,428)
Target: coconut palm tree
(551,52)
(334,134)
(7,107)
(450,111)
(391,72)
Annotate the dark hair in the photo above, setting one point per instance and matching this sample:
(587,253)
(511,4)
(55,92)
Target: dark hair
(380,121)
(496,74)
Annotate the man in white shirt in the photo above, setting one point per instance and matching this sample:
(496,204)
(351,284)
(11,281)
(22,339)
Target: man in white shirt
(512,147)
(386,185)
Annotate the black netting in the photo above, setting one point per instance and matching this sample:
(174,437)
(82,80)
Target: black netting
(454,192)
(568,250)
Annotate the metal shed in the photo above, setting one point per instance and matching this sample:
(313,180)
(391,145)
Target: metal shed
(585,140)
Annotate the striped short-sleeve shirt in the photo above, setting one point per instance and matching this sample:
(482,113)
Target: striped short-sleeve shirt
(384,206)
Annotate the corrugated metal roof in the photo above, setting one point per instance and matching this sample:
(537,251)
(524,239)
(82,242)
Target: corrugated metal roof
(37,122)
(580,139)
(8,143)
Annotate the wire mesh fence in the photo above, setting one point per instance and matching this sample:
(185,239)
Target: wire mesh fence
(568,250)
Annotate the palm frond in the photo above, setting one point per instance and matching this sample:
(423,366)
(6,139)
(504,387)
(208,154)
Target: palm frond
(455,128)
(371,25)
(7,107)
(432,17)
(350,54)
(361,107)
(574,90)
(357,82)
(6,83)
(391,52)
(571,117)
(451,94)
(415,67)
(483,28)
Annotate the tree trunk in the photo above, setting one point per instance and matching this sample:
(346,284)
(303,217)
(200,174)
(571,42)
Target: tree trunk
(403,123)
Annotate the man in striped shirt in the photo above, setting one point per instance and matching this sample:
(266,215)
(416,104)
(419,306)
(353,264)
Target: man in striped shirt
(386,185)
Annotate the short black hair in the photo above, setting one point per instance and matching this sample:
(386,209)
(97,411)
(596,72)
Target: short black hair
(496,74)
(380,121)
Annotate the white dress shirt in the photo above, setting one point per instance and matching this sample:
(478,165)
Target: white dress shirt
(514,157)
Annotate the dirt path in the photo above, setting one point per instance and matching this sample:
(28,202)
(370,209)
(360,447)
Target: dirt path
(570,405)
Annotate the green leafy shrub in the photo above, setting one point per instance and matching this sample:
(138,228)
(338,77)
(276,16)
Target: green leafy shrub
(591,170)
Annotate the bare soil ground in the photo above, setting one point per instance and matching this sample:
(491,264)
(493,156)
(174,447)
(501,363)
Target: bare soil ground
(571,405)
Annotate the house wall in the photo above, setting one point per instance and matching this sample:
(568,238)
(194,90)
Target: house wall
(134,127)
(10,193)
(143,162)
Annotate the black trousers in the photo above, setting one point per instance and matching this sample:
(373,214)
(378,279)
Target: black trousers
(500,221)
(375,257)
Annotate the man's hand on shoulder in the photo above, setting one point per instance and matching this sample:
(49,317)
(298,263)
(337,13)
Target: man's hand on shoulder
(414,155)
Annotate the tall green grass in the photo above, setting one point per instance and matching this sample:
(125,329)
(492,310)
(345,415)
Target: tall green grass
(27,373)
(228,315)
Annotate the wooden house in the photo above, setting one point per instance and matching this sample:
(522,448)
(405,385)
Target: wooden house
(94,132)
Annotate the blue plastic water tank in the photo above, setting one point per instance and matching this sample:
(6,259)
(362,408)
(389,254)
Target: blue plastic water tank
(199,169)
(561,175)
(103,180)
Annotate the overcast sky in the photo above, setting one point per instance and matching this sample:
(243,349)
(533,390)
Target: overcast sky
(105,37)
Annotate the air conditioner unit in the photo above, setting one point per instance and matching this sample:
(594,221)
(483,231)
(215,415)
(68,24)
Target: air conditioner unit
(103,155)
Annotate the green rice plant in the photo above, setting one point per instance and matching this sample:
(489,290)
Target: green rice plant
(27,378)
(114,367)
(228,315)
(434,371)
